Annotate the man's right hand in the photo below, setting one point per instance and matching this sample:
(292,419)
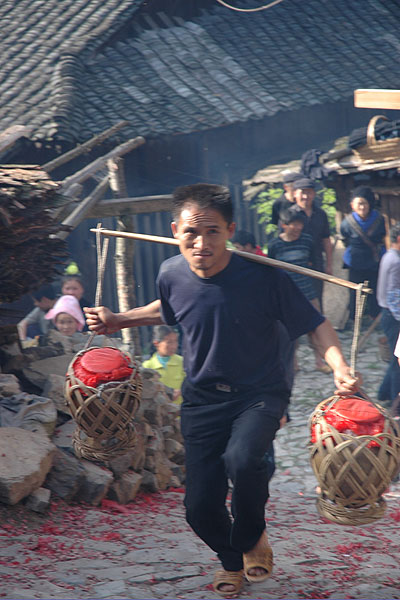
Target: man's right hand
(101,320)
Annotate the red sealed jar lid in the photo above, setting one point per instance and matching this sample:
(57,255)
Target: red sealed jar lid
(102,365)
(356,410)
(353,415)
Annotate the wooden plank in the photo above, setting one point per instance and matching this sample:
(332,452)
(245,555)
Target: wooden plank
(117,207)
(376,98)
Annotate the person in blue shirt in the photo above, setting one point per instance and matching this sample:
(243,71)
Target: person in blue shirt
(235,391)
(363,232)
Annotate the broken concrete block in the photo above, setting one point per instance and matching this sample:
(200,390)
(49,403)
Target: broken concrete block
(54,389)
(95,485)
(125,489)
(39,500)
(25,460)
(9,385)
(66,476)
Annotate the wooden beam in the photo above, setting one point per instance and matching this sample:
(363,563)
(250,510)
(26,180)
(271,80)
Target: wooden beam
(117,207)
(377,98)
(100,163)
(85,147)
(80,211)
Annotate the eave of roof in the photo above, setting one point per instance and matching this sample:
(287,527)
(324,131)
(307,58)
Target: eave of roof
(65,75)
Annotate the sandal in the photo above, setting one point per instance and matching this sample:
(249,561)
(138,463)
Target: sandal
(258,558)
(223,577)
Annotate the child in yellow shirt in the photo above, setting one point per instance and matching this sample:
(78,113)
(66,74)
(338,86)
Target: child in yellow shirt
(165,361)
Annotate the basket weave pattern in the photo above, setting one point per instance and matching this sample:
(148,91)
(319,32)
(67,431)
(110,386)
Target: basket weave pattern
(353,473)
(104,414)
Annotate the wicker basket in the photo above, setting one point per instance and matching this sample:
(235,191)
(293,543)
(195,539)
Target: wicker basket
(353,471)
(104,450)
(378,150)
(106,411)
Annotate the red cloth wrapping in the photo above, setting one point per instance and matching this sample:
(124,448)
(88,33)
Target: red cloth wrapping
(102,365)
(354,415)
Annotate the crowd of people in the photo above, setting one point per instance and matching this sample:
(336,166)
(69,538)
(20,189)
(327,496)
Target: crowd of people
(239,322)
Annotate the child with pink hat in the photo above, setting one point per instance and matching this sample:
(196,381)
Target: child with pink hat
(67,315)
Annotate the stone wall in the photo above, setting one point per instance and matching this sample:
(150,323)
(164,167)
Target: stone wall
(35,422)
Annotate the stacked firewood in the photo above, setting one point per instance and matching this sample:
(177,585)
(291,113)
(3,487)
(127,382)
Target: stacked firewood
(30,255)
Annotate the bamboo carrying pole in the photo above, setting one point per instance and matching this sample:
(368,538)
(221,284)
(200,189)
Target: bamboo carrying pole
(254,257)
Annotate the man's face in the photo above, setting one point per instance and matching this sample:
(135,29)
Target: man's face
(202,235)
(304,198)
(289,191)
(44,303)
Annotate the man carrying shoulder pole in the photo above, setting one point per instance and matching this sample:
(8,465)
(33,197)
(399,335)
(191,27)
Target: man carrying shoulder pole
(235,392)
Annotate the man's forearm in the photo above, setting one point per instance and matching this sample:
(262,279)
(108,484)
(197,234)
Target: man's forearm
(325,339)
(143,315)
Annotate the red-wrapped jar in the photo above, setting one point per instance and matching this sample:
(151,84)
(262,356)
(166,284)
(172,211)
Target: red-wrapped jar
(353,416)
(102,365)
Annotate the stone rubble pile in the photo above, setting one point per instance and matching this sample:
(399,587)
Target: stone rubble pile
(37,459)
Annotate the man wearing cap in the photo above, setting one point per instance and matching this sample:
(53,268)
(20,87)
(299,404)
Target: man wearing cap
(287,199)
(315,224)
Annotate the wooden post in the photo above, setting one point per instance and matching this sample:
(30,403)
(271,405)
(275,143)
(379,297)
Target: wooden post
(124,256)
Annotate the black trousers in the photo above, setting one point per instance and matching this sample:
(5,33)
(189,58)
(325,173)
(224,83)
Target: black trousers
(226,435)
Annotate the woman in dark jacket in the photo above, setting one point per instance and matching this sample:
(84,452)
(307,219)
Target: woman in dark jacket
(363,233)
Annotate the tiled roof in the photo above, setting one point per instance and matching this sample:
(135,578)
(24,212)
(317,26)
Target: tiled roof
(64,74)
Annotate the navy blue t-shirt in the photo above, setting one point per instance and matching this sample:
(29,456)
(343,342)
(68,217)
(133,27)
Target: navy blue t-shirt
(229,321)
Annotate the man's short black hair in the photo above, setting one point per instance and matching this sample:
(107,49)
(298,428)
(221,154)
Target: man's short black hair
(243,237)
(394,232)
(288,215)
(45,291)
(205,195)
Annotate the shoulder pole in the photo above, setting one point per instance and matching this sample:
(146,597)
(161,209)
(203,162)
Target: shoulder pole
(254,257)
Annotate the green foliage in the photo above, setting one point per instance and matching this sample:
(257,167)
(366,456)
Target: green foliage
(328,197)
(264,201)
(263,206)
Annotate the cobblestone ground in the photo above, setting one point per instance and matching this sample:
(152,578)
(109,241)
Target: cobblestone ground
(145,550)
